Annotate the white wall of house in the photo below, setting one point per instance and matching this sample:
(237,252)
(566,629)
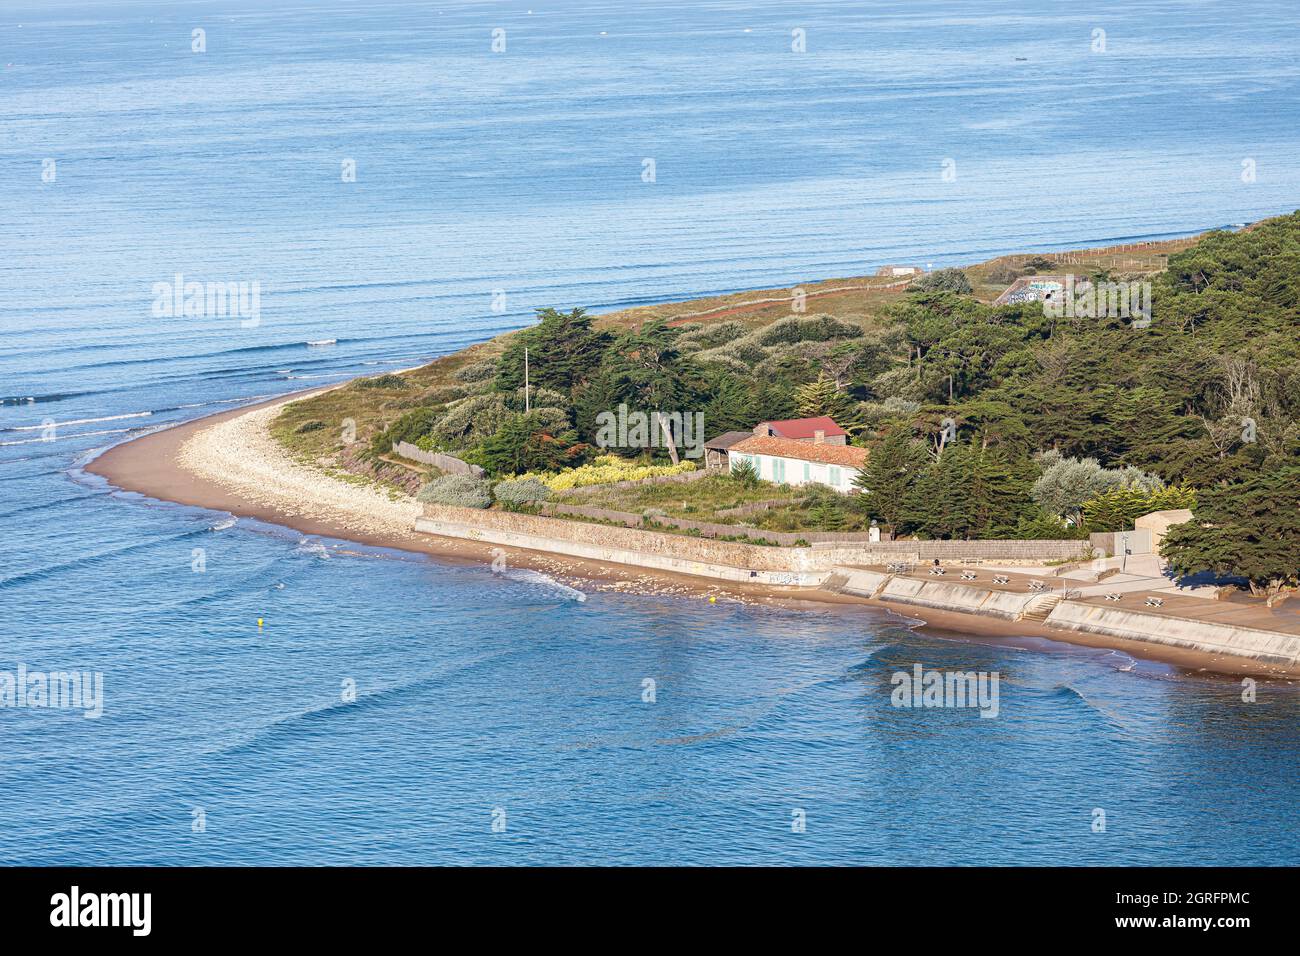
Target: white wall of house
(794,471)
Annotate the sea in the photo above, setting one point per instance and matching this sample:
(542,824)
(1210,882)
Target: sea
(397,180)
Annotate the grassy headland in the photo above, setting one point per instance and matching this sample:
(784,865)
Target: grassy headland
(981,421)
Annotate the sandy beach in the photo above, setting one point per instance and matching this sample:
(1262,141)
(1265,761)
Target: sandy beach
(229,462)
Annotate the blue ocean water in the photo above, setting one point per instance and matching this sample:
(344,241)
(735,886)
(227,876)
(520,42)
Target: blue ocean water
(127,158)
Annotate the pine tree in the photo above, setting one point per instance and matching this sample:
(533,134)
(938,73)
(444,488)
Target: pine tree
(893,465)
(1251,529)
(821,397)
(564,352)
(730,409)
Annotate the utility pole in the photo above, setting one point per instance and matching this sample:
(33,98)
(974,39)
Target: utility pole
(528,405)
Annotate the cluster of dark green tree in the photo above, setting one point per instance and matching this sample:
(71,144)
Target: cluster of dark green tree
(962,404)
(1206,396)
(548,416)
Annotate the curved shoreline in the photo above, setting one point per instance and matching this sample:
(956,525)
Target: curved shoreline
(229,462)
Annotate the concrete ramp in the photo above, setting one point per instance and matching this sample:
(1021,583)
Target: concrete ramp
(861,582)
(1266,646)
(950,596)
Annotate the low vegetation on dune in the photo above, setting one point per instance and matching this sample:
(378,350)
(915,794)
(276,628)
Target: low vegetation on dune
(980,420)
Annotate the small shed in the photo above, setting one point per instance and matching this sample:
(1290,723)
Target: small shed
(715,451)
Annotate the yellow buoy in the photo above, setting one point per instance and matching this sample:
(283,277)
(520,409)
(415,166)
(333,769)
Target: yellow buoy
(712,599)
(259,622)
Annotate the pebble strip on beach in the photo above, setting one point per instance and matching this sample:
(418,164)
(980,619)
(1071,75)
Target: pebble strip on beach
(241,456)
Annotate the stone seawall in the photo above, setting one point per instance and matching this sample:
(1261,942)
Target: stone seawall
(723,560)
(950,596)
(812,567)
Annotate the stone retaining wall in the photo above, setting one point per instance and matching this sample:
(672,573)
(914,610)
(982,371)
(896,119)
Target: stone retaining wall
(721,560)
(1007,551)
(633,545)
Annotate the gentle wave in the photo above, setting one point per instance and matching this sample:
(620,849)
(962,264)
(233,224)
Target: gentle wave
(75,421)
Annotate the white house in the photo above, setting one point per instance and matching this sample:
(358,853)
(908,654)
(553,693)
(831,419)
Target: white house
(790,462)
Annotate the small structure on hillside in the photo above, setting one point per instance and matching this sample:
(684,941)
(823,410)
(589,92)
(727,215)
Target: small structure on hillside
(823,458)
(715,450)
(1039,288)
(819,430)
(1159,522)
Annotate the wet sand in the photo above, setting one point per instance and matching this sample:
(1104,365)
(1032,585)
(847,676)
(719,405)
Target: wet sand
(151,465)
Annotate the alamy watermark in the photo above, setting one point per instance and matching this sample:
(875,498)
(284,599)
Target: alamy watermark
(922,688)
(624,429)
(1084,299)
(207,300)
(61,690)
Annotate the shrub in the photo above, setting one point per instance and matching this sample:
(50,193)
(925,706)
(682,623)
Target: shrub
(461,491)
(942,280)
(476,372)
(512,494)
(744,474)
(710,336)
(444,395)
(314,425)
(746,350)
(1117,509)
(1067,483)
(728,362)
(1039,525)
(1004,274)
(538,398)
(818,328)
(471,420)
(384,381)
(606,469)
(524,443)
(413,427)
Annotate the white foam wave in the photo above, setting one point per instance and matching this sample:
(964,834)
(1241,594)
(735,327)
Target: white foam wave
(525,576)
(77,421)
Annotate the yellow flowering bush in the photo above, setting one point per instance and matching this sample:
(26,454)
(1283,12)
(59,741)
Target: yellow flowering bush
(604,470)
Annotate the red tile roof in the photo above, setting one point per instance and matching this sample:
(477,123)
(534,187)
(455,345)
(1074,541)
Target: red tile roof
(806,427)
(845,455)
